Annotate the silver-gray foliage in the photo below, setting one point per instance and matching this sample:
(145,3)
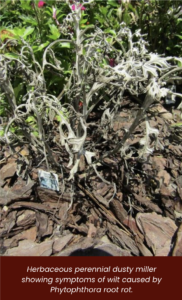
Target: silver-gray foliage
(93,81)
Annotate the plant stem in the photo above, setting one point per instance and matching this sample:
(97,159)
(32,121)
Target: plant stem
(38,21)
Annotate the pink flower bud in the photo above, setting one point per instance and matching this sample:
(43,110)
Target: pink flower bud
(112,62)
(73,7)
(83,8)
(80,104)
(54,13)
(41,4)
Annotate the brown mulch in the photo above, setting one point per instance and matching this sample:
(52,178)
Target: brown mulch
(143,219)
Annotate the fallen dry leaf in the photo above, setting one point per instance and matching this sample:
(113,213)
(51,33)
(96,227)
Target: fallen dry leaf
(8,170)
(26,217)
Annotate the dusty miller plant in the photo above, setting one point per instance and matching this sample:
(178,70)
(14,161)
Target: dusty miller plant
(93,82)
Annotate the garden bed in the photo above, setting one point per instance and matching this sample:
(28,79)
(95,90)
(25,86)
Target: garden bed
(87,217)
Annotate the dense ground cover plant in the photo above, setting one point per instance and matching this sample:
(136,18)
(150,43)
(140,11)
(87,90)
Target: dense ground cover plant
(40,23)
(160,20)
(105,65)
(37,25)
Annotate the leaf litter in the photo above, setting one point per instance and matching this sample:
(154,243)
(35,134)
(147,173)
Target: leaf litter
(135,211)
